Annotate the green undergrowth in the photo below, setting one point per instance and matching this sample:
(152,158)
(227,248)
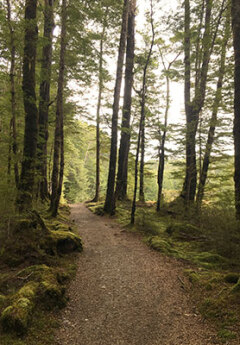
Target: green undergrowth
(210,245)
(36,264)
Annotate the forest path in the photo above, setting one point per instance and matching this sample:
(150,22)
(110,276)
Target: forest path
(126,294)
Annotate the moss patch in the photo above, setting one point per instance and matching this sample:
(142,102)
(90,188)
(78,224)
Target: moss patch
(160,245)
(184,232)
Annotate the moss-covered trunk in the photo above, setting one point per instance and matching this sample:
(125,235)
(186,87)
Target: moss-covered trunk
(26,184)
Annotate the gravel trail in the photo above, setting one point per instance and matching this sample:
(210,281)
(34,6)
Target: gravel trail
(126,294)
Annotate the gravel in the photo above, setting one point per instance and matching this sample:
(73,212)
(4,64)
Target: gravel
(125,294)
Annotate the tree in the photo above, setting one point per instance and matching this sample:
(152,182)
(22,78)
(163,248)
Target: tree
(213,121)
(13,95)
(27,178)
(236,132)
(58,160)
(121,186)
(44,98)
(162,139)
(109,201)
(193,106)
(142,94)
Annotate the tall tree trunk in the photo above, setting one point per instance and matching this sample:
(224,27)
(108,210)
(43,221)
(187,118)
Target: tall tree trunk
(161,164)
(213,121)
(236,132)
(136,174)
(26,183)
(99,104)
(109,206)
(13,130)
(45,98)
(121,186)
(143,104)
(58,155)
(194,107)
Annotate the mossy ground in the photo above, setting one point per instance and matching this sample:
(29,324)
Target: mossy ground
(209,246)
(32,286)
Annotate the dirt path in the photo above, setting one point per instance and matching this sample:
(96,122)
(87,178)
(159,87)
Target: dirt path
(126,294)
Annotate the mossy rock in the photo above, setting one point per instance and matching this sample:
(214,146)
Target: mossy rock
(16,317)
(64,242)
(232,278)
(51,294)
(55,225)
(160,245)
(184,232)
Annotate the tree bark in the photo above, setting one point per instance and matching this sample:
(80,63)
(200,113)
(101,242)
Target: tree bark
(26,183)
(13,130)
(109,206)
(194,107)
(136,174)
(99,104)
(121,186)
(45,99)
(143,104)
(213,121)
(236,131)
(161,164)
(58,155)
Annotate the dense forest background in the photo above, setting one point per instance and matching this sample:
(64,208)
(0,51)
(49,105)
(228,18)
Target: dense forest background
(170,48)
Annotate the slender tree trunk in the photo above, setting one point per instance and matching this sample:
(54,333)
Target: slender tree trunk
(99,104)
(13,130)
(121,186)
(58,156)
(26,183)
(136,174)
(213,122)
(194,108)
(109,206)
(236,132)
(162,146)
(45,99)
(143,104)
